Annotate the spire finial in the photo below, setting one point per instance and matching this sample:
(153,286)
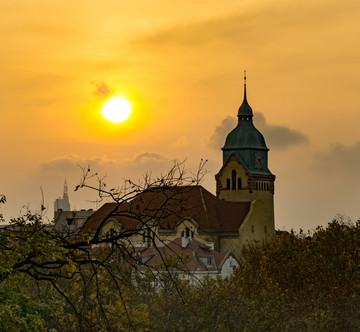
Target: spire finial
(244,85)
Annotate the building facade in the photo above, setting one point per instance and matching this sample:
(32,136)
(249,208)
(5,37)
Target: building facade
(241,211)
(245,176)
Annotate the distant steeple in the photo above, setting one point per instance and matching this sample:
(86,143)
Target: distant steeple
(65,195)
(245,111)
(63,203)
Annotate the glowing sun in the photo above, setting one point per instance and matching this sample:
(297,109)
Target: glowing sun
(116,110)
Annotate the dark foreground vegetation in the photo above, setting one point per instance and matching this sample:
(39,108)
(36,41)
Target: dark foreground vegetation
(289,283)
(51,281)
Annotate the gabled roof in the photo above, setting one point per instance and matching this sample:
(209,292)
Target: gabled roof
(232,157)
(167,207)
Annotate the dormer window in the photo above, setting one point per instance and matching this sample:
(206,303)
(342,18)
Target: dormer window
(207,261)
(187,233)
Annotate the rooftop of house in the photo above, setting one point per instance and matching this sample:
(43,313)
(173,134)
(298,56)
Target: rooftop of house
(170,206)
(183,254)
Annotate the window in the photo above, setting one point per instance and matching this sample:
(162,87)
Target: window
(111,232)
(227,184)
(265,229)
(252,228)
(233,180)
(187,233)
(206,261)
(209,261)
(239,183)
(147,237)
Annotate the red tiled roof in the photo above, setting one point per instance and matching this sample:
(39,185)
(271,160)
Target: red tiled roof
(169,206)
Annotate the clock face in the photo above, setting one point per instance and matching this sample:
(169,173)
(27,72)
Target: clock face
(259,160)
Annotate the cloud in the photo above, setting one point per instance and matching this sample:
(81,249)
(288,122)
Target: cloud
(245,27)
(145,157)
(180,142)
(276,136)
(217,139)
(73,163)
(339,159)
(102,89)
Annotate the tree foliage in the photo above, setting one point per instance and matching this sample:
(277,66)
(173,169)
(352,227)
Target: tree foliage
(291,282)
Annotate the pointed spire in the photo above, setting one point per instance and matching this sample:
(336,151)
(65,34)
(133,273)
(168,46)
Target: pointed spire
(65,189)
(245,112)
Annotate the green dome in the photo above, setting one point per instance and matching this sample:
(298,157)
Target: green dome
(247,142)
(245,136)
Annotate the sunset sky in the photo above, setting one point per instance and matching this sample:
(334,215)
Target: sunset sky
(181,63)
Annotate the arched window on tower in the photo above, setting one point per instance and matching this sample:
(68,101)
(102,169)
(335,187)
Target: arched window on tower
(227,184)
(239,183)
(233,180)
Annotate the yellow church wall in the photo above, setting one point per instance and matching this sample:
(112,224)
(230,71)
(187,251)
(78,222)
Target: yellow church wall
(231,244)
(256,225)
(234,195)
(244,194)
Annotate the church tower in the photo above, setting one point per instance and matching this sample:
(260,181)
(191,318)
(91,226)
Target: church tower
(245,176)
(63,203)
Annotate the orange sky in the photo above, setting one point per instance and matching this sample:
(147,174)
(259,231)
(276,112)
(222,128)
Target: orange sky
(181,64)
